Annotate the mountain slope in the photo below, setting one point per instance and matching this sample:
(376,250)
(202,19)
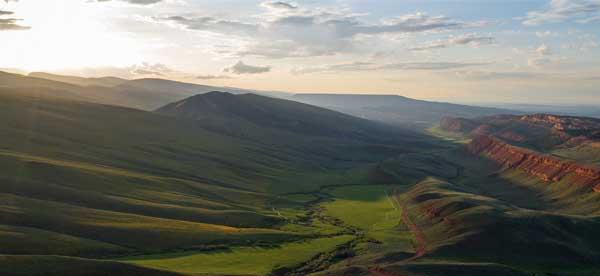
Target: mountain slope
(102,82)
(146,94)
(393,109)
(111,179)
(289,116)
(96,180)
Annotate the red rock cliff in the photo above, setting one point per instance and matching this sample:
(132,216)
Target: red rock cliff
(549,169)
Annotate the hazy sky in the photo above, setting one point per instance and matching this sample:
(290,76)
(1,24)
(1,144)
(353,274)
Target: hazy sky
(533,51)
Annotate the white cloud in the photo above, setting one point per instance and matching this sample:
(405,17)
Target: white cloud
(492,75)
(473,40)
(543,34)
(288,30)
(582,11)
(543,50)
(11,24)
(241,68)
(145,68)
(541,56)
(137,2)
(212,77)
(369,66)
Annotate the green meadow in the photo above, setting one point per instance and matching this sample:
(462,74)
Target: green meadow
(241,260)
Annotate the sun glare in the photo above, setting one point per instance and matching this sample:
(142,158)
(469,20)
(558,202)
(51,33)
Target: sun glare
(65,34)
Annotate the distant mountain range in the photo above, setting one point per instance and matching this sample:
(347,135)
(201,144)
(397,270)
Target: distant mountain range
(150,94)
(145,94)
(396,110)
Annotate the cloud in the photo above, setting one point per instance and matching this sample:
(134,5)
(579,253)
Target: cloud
(582,11)
(10,24)
(541,56)
(213,77)
(289,30)
(241,68)
(490,75)
(473,40)
(213,25)
(431,65)
(543,50)
(368,66)
(595,78)
(145,68)
(136,2)
(538,62)
(546,34)
(342,67)
(279,5)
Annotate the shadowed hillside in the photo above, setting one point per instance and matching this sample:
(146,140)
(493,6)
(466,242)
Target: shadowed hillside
(290,116)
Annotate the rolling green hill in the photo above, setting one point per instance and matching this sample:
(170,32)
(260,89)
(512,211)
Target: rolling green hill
(282,115)
(96,181)
(60,266)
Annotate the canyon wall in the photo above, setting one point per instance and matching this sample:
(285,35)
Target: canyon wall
(547,168)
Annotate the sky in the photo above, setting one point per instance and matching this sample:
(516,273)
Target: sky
(492,51)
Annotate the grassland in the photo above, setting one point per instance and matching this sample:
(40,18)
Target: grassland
(586,152)
(371,209)
(14,265)
(450,136)
(242,260)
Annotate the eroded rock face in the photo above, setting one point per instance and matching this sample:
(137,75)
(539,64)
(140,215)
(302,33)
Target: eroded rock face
(541,131)
(457,124)
(563,123)
(549,169)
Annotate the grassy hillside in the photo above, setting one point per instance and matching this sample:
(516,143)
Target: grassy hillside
(97,180)
(300,119)
(11,265)
(493,214)
(475,217)
(241,261)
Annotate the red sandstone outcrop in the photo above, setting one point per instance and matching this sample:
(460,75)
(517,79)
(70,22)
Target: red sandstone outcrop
(457,124)
(563,123)
(564,127)
(549,169)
